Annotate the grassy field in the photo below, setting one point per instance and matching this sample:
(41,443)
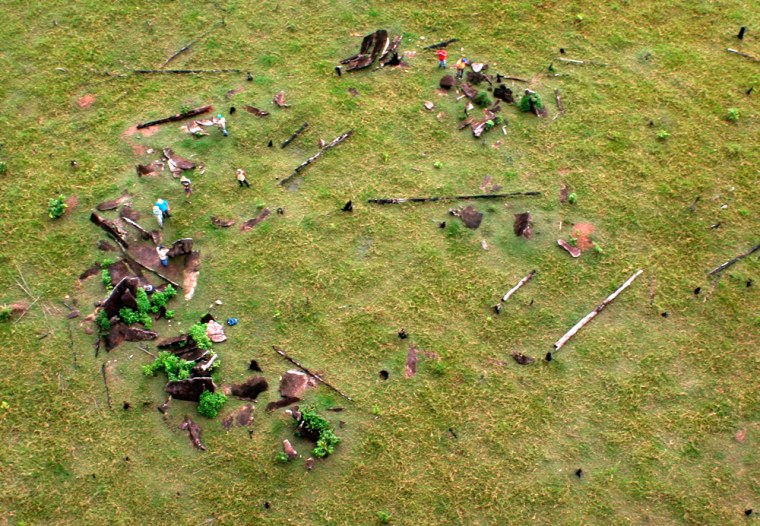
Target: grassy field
(648,406)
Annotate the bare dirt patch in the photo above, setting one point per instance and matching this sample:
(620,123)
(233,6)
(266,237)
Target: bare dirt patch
(582,234)
(146,132)
(87,100)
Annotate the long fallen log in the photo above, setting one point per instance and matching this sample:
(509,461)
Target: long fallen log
(188,46)
(754,59)
(560,106)
(112,229)
(399,200)
(335,142)
(313,375)
(730,262)
(514,289)
(145,233)
(298,132)
(177,117)
(590,316)
(182,71)
(146,267)
(441,44)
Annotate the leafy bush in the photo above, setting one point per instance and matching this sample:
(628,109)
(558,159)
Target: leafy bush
(105,277)
(169,314)
(160,299)
(103,321)
(198,334)
(317,424)
(489,124)
(384,517)
(281,457)
(733,114)
(211,403)
(3,167)
(524,103)
(572,198)
(438,165)
(130,316)
(5,313)
(107,262)
(663,134)
(173,366)
(143,302)
(499,120)
(482,99)
(57,207)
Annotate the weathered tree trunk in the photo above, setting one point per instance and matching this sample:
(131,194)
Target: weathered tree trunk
(730,262)
(304,369)
(335,142)
(399,200)
(298,132)
(178,116)
(590,316)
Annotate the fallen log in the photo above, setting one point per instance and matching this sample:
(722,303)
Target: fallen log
(145,233)
(754,59)
(154,271)
(245,227)
(298,132)
(335,142)
(443,44)
(105,383)
(182,71)
(590,316)
(515,289)
(560,106)
(178,116)
(571,61)
(188,46)
(193,432)
(111,205)
(313,375)
(399,200)
(256,111)
(111,229)
(730,262)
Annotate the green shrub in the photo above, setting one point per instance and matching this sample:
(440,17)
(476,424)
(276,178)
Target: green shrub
(143,302)
(5,313)
(107,262)
(105,277)
(317,424)
(733,114)
(438,165)
(3,168)
(169,314)
(384,517)
(524,103)
(160,299)
(198,333)
(663,134)
(103,321)
(489,124)
(572,198)
(499,120)
(482,99)
(211,403)
(57,207)
(173,366)
(281,457)
(130,316)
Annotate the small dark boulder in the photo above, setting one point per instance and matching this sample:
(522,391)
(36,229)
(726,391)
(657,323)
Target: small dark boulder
(251,388)
(190,389)
(447,82)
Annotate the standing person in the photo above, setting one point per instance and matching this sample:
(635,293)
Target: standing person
(188,185)
(442,54)
(164,206)
(159,216)
(461,64)
(163,256)
(222,123)
(240,174)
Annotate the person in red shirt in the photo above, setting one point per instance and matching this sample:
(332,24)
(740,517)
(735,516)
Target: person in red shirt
(442,54)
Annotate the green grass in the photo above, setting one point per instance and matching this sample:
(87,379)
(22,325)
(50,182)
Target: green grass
(647,406)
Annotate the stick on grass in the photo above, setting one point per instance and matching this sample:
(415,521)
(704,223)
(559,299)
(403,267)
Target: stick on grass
(590,316)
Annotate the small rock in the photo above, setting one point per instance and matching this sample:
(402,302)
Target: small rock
(429,105)
(219,302)
(484,244)
(309,464)
(741,435)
